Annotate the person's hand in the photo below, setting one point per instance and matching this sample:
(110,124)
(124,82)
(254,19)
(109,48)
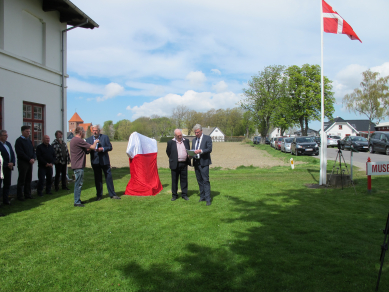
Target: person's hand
(101,149)
(10,165)
(198,151)
(32,161)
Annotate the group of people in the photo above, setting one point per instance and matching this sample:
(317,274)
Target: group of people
(54,155)
(179,160)
(98,145)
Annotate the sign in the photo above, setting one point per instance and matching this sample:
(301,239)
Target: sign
(377,168)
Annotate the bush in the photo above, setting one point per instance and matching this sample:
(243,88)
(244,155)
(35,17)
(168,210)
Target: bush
(165,139)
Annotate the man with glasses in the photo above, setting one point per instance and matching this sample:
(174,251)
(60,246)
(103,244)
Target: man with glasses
(202,145)
(8,165)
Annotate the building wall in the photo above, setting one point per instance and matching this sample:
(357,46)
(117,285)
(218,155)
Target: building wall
(30,64)
(217,136)
(345,131)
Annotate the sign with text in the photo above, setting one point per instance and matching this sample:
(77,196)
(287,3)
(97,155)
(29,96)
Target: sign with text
(377,168)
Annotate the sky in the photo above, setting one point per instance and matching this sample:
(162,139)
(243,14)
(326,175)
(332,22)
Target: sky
(148,57)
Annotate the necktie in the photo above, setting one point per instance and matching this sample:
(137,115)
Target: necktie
(197,147)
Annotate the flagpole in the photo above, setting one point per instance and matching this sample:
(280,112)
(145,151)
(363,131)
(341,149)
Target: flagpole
(323,144)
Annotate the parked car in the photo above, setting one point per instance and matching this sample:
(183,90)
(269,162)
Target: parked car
(257,140)
(285,144)
(379,142)
(304,145)
(272,142)
(318,140)
(278,143)
(332,141)
(357,142)
(267,141)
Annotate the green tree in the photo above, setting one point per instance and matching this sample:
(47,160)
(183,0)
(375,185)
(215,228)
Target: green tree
(124,129)
(191,119)
(142,125)
(248,124)
(263,96)
(304,90)
(371,99)
(178,116)
(88,132)
(108,129)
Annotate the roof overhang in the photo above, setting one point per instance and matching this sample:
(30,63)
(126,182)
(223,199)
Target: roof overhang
(69,13)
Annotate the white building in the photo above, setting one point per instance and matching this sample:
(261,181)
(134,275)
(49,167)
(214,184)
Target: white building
(343,128)
(215,133)
(33,66)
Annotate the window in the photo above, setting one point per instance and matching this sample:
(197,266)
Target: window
(340,127)
(33,116)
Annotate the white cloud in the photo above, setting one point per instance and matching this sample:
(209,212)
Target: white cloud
(198,101)
(382,69)
(216,71)
(196,78)
(111,90)
(120,114)
(220,86)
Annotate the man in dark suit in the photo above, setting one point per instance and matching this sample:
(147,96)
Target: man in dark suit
(99,159)
(178,163)
(202,145)
(46,159)
(26,157)
(8,164)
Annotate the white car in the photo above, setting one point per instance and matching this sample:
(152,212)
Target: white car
(332,141)
(286,144)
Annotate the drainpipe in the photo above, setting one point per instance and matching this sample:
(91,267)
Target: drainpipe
(64,52)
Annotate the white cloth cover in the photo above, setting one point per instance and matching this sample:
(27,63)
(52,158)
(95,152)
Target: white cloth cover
(140,144)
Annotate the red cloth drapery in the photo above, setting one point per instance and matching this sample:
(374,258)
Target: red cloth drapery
(144,179)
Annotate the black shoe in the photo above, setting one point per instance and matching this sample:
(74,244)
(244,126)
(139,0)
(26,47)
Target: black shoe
(115,197)
(66,188)
(185,198)
(99,198)
(21,199)
(30,197)
(79,205)
(174,198)
(208,203)
(83,202)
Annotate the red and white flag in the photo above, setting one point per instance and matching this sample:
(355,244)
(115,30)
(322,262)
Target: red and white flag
(142,153)
(334,23)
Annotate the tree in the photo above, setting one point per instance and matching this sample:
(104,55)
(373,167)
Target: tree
(304,90)
(108,129)
(124,129)
(191,119)
(142,125)
(248,124)
(178,116)
(371,99)
(263,96)
(88,132)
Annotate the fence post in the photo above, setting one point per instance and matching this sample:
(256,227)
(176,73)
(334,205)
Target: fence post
(368,178)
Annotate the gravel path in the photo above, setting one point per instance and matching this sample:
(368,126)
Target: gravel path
(225,155)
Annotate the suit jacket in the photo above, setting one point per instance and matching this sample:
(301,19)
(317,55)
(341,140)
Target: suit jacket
(101,158)
(171,151)
(206,147)
(4,153)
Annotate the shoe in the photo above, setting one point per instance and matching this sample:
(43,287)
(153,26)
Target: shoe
(99,198)
(21,199)
(115,197)
(201,200)
(66,188)
(79,205)
(185,198)
(30,197)
(174,198)
(208,203)
(83,202)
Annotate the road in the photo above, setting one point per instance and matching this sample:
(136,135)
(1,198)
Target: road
(359,159)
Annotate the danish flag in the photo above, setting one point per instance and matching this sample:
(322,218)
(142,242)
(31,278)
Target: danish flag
(333,23)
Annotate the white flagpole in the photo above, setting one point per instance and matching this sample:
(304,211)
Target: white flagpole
(323,145)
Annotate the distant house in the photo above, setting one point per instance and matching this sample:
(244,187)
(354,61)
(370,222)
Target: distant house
(215,133)
(275,132)
(382,127)
(310,132)
(343,128)
(76,121)
(33,73)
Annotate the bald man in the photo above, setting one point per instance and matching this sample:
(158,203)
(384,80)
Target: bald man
(46,159)
(178,163)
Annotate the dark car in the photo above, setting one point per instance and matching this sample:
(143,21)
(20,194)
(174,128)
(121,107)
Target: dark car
(267,141)
(356,142)
(379,142)
(318,140)
(257,140)
(304,145)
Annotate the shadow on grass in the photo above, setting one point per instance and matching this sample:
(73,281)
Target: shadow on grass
(293,244)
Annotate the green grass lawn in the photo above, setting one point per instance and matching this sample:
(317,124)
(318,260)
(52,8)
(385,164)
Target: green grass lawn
(265,231)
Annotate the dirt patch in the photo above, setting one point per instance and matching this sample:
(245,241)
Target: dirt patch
(224,154)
